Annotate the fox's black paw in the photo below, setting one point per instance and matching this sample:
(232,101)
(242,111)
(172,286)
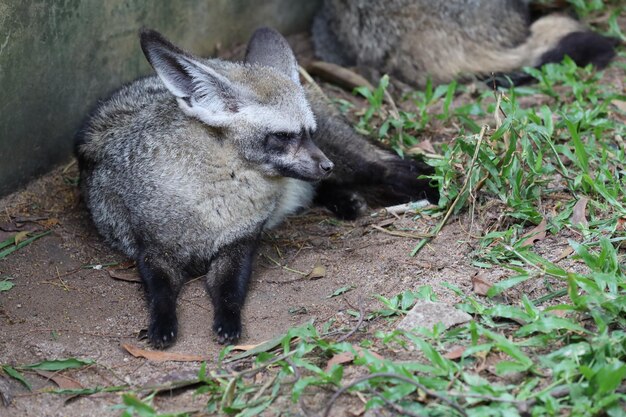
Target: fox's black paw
(228,330)
(345,204)
(162,332)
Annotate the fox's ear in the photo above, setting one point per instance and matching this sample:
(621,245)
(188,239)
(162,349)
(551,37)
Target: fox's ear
(202,91)
(269,48)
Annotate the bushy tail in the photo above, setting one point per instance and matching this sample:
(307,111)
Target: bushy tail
(551,38)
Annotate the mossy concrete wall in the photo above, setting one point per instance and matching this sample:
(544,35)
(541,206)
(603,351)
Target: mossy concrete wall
(57,57)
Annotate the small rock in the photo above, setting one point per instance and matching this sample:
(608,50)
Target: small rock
(428,313)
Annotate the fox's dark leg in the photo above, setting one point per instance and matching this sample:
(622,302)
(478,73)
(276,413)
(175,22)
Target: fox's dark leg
(162,283)
(364,171)
(227,285)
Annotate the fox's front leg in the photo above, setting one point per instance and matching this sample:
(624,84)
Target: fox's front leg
(227,285)
(162,282)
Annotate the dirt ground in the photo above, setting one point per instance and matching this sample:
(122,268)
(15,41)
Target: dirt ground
(60,309)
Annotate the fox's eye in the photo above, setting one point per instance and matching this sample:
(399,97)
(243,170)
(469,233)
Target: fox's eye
(284,135)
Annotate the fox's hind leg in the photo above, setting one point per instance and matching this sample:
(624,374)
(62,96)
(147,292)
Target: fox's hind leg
(162,282)
(227,284)
(365,172)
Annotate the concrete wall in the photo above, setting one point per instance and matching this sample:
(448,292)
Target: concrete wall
(57,57)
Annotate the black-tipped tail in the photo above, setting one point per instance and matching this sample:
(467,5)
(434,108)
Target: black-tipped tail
(584,48)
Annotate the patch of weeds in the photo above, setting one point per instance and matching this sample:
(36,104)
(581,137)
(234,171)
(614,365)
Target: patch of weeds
(400,304)
(401,129)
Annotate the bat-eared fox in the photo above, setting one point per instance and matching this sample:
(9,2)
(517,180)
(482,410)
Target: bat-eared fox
(413,40)
(182,171)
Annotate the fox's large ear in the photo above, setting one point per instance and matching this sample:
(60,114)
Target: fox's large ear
(269,48)
(201,91)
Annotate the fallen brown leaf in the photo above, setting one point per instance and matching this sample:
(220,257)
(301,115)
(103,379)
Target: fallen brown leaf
(537,234)
(387,222)
(347,357)
(318,271)
(128,275)
(356,412)
(564,254)
(125,265)
(338,359)
(49,223)
(20,237)
(246,348)
(425,146)
(455,352)
(374,354)
(481,284)
(160,356)
(620,104)
(579,215)
(62,381)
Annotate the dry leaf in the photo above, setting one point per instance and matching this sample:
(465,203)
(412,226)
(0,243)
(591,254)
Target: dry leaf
(579,215)
(387,222)
(160,356)
(538,233)
(125,265)
(358,411)
(49,223)
(338,359)
(128,275)
(20,237)
(347,357)
(559,313)
(318,271)
(246,348)
(620,104)
(564,254)
(425,146)
(360,350)
(481,284)
(455,352)
(338,75)
(62,381)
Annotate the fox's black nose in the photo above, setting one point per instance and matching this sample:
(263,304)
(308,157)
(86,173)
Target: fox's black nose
(326,166)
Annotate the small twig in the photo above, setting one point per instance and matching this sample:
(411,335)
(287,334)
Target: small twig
(286,268)
(427,391)
(400,233)
(61,280)
(264,387)
(33,219)
(358,325)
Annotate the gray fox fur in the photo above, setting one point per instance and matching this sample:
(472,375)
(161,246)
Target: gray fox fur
(182,171)
(414,40)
